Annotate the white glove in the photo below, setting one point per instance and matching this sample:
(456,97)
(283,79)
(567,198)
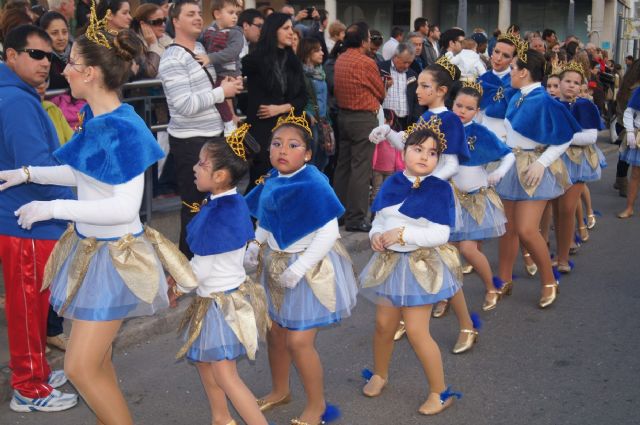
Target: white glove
(289,278)
(251,256)
(12,178)
(494,177)
(396,139)
(379,134)
(33,212)
(631,140)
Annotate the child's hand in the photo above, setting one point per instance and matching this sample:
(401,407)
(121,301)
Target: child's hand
(376,242)
(390,237)
(379,134)
(534,173)
(171,292)
(203,60)
(289,279)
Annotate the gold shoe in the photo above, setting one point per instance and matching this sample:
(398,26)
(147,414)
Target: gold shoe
(507,288)
(467,269)
(400,331)
(296,421)
(532,269)
(548,300)
(624,214)
(430,407)
(374,386)
(591,221)
(440,309)
(564,268)
(491,299)
(466,339)
(233,422)
(265,405)
(584,234)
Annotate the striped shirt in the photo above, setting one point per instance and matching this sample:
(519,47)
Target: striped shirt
(189,93)
(396,99)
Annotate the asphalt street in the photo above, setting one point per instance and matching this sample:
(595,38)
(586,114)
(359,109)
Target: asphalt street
(575,363)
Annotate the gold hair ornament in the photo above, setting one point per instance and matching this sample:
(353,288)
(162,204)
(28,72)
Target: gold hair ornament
(572,66)
(444,62)
(434,125)
(300,121)
(473,84)
(96,28)
(511,37)
(236,141)
(521,50)
(557,69)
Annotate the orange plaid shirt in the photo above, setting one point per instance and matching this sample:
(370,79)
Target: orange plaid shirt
(357,82)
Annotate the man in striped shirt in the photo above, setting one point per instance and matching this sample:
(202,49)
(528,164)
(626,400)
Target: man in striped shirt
(191,96)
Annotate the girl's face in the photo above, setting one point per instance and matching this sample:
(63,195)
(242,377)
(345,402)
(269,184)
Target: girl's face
(553,86)
(76,73)
(288,151)
(420,160)
(570,85)
(584,91)
(465,107)
(122,18)
(59,33)
(158,24)
(428,92)
(285,35)
(206,179)
(316,56)
(519,77)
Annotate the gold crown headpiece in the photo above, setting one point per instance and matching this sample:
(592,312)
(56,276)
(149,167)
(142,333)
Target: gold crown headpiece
(511,37)
(557,69)
(236,141)
(521,50)
(97,27)
(473,84)
(444,62)
(434,125)
(572,66)
(300,121)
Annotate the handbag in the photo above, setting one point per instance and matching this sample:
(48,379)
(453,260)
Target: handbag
(326,135)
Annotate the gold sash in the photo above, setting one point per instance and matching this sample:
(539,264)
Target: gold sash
(576,153)
(476,203)
(525,158)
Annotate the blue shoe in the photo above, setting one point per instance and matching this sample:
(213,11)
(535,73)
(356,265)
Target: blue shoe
(54,402)
(57,378)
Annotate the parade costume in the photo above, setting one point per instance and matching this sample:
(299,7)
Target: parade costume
(539,129)
(482,211)
(297,218)
(583,159)
(496,95)
(425,269)
(229,313)
(631,122)
(107,266)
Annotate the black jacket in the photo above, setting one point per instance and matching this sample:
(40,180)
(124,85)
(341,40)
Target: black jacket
(415,110)
(429,53)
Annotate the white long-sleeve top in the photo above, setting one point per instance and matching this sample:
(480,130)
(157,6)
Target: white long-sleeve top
(102,210)
(315,246)
(218,272)
(631,119)
(418,233)
(494,124)
(585,137)
(517,140)
(469,63)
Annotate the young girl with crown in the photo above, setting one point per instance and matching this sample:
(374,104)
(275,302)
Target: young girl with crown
(307,273)
(630,153)
(229,312)
(413,266)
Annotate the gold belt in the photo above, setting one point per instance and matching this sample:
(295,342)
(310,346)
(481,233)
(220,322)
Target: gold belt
(524,158)
(476,203)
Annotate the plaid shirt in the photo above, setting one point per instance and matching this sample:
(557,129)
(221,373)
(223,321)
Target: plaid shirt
(357,82)
(396,99)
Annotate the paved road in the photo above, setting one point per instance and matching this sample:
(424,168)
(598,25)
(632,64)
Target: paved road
(576,363)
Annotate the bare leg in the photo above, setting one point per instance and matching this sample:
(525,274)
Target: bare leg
(470,250)
(387,319)
(508,244)
(87,364)
(279,362)
(459,306)
(632,193)
(217,399)
(545,223)
(301,346)
(567,204)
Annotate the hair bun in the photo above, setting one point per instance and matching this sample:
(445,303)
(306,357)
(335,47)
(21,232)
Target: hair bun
(127,45)
(251,145)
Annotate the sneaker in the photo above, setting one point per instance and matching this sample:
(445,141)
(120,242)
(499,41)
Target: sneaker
(59,341)
(57,378)
(229,127)
(54,402)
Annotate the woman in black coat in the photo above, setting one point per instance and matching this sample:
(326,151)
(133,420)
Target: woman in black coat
(275,83)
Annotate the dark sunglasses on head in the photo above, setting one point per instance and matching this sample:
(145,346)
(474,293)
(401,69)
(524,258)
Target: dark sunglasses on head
(36,54)
(156,22)
(376,37)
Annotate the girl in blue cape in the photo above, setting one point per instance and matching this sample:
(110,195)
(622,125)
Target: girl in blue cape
(539,131)
(229,312)
(413,267)
(307,273)
(630,152)
(582,160)
(107,266)
(482,211)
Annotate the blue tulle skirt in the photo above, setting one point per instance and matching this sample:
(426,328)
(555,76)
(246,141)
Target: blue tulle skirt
(492,226)
(103,295)
(631,156)
(301,310)
(510,189)
(401,289)
(216,340)
(583,172)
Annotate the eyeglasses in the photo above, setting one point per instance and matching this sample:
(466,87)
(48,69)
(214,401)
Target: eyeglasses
(36,54)
(376,38)
(257,25)
(156,22)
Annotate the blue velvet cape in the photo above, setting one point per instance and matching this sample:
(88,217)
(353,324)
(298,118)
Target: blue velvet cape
(223,224)
(433,200)
(454,133)
(586,113)
(112,148)
(634,102)
(541,118)
(293,207)
(491,83)
(484,145)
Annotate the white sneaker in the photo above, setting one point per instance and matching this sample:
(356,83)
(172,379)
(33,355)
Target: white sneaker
(54,402)
(57,378)
(229,127)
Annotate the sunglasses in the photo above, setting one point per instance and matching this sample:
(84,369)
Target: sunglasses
(36,54)
(156,22)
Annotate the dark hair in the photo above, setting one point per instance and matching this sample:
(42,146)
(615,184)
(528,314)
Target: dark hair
(469,91)
(629,57)
(176,8)
(547,32)
(432,28)
(268,42)
(248,15)
(115,63)
(112,5)
(49,17)
(141,14)
(419,23)
(536,65)
(396,31)
(629,82)
(418,137)
(452,34)
(376,38)
(356,34)
(16,39)
(571,48)
(441,76)
(223,158)
(305,136)
(12,18)
(307,46)
(337,50)
(323,15)
(513,28)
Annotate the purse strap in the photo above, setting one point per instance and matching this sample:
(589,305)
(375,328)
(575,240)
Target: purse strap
(193,55)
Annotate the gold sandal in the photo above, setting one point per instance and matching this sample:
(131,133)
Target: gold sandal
(549,299)
(440,309)
(265,405)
